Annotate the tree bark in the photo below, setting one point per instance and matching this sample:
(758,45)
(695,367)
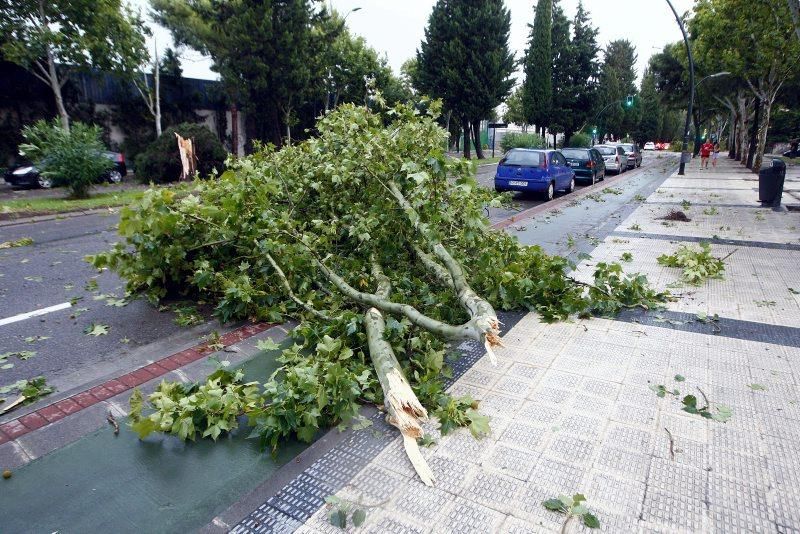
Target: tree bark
(404,411)
(157,76)
(465,126)
(476,135)
(732,135)
(751,148)
(55,84)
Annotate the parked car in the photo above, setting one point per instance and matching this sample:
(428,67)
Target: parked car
(587,163)
(614,157)
(534,171)
(649,145)
(25,174)
(662,145)
(633,153)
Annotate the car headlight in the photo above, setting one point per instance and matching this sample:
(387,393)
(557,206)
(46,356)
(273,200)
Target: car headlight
(22,170)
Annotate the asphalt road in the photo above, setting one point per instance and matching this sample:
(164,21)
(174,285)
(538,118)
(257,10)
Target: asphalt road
(52,271)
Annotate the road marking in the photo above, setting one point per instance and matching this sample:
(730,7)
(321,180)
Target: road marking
(34,313)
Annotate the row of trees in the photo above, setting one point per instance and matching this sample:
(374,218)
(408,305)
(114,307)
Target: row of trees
(747,63)
(282,61)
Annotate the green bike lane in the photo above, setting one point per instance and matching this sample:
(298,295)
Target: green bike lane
(117,483)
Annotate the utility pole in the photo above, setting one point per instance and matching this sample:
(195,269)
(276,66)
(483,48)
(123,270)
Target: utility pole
(685,155)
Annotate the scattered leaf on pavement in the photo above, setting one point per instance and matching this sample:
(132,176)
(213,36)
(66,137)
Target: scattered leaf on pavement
(97,329)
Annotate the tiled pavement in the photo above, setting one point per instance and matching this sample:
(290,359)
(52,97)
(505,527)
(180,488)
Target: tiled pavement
(572,410)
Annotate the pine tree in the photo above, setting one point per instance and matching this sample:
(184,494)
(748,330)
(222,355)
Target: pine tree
(538,67)
(563,62)
(465,60)
(585,68)
(620,57)
(651,112)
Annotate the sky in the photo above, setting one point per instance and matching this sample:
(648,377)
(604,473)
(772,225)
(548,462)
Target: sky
(396,27)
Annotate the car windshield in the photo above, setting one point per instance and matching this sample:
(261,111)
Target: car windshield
(523,158)
(606,150)
(575,153)
(627,148)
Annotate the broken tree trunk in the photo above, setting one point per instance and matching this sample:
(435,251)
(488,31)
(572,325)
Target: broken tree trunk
(404,410)
(188,158)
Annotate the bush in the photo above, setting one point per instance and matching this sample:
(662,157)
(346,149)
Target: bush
(160,162)
(521,140)
(74,159)
(580,140)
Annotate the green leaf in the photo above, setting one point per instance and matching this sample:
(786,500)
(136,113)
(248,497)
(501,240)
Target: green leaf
(757,387)
(590,520)
(359,516)
(479,424)
(679,378)
(554,504)
(267,344)
(96,329)
(338,518)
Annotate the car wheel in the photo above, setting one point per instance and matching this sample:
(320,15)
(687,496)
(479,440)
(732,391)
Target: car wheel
(594,179)
(548,195)
(639,164)
(571,186)
(114,177)
(44,182)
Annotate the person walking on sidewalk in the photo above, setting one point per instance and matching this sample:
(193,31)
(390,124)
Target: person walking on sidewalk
(705,153)
(715,154)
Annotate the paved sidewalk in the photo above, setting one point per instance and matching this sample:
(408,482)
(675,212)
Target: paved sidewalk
(572,410)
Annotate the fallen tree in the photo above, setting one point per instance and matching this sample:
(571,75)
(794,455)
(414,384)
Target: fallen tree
(376,242)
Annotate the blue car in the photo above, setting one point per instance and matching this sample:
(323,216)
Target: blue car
(534,171)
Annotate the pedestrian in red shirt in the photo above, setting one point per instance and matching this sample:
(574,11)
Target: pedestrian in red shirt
(705,153)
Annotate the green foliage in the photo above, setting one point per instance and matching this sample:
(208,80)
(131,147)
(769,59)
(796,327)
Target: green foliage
(32,389)
(722,413)
(573,507)
(538,67)
(465,59)
(697,265)
(72,158)
(21,242)
(160,161)
(580,140)
(456,412)
(325,199)
(73,34)
(341,509)
(187,316)
(613,290)
(209,408)
(521,140)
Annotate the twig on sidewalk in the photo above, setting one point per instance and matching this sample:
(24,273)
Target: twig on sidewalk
(728,255)
(671,444)
(110,418)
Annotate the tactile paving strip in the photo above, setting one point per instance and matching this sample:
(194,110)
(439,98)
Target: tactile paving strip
(303,496)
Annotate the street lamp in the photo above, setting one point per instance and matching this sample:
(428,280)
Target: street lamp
(684,154)
(329,79)
(715,75)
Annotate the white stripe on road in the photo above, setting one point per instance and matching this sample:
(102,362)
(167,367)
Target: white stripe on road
(35,313)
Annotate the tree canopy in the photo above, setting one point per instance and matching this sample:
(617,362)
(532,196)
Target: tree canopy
(538,67)
(51,39)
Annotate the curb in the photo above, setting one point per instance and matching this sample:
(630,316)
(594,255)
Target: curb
(55,216)
(50,413)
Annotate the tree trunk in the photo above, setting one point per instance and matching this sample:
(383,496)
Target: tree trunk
(157,76)
(465,127)
(476,135)
(751,148)
(55,84)
(732,135)
(762,136)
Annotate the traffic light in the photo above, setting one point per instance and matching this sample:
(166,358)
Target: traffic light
(594,131)
(629,101)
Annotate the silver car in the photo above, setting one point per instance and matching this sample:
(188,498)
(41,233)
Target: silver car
(614,157)
(633,153)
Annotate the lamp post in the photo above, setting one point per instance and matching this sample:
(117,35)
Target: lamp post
(685,156)
(628,103)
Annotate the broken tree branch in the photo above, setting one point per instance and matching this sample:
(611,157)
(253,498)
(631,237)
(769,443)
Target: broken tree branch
(285,281)
(402,405)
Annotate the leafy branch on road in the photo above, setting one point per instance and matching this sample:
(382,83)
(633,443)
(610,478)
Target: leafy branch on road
(572,507)
(721,412)
(698,265)
(21,242)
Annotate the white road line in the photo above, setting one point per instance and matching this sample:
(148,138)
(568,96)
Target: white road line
(34,313)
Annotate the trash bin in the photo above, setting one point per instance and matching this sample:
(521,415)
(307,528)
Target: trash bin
(770,182)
